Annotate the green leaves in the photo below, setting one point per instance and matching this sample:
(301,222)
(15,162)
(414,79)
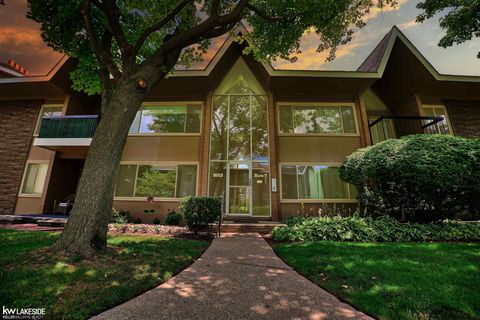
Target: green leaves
(425,177)
(382,229)
(461,21)
(139,37)
(199,212)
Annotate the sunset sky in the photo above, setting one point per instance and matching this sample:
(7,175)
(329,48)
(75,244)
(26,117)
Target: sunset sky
(20,40)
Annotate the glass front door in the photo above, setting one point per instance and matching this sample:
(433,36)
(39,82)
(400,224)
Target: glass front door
(239,194)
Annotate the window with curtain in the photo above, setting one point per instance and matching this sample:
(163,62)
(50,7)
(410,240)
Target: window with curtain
(167,119)
(156,180)
(322,119)
(48,111)
(314,182)
(441,127)
(382,130)
(35,175)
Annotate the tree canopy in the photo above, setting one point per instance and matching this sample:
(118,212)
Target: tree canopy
(109,36)
(462,20)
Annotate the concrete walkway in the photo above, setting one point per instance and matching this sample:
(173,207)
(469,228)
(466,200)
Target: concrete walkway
(238,277)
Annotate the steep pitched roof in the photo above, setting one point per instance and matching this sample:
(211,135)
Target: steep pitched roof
(379,57)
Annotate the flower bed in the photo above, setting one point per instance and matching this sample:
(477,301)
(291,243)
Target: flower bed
(383,229)
(130,228)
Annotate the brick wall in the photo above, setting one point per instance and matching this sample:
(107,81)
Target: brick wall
(17,123)
(465,117)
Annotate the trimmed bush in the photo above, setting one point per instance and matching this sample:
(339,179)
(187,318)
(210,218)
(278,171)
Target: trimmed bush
(173,218)
(418,178)
(382,229)
(199,212)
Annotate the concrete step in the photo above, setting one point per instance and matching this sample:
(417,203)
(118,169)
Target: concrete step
(262,228)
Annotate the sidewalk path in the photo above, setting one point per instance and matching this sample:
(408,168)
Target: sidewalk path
(238,277)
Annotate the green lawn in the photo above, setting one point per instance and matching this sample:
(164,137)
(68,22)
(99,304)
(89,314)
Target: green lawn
(72,289)
(394,280)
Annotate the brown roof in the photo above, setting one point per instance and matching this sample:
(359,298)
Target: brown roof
(372,62)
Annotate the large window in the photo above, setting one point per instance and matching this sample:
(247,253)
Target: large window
(317,119)
(441,127)
(167,118)
(161,181)
(34,178)
(314,182)
(48,111)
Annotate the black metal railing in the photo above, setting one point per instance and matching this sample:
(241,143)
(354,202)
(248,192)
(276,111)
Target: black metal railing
(68,126)
(395,126)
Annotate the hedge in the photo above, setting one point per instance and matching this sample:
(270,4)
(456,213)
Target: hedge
(417,178)
(382,229)
(199,212)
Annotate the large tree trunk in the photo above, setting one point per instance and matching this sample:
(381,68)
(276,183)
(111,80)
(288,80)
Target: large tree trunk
(86,229)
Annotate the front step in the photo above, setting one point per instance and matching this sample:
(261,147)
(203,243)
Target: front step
(257,227)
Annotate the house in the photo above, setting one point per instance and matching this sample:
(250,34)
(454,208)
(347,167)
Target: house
(269,140)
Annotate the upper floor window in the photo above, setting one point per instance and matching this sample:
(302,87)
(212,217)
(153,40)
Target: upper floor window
(156,180)
(48,111)
(167,118)
(442,127)
(317,118)
(34,178)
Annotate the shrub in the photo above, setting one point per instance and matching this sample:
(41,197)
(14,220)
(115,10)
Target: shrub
(382,229)
(121,216)
(137,221)
(199,212)
(418,177)
(173,218)
(156,221)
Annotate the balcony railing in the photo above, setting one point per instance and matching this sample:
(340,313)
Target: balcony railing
(68,126)
(389,126)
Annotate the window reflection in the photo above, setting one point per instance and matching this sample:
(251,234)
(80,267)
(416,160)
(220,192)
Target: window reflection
(167,119)
(316,119)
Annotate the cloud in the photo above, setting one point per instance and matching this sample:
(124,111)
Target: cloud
(408,24)
(20,40)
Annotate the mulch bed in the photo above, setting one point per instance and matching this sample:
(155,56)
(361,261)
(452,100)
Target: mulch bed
(134,229)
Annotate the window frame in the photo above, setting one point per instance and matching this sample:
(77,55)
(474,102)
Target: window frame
(447,116)
(160,164)
(24,175)
(170,104)
(318,104)
(36,131)
(328,164)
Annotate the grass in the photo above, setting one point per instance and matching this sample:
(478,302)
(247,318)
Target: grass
(71,288)
(394,280)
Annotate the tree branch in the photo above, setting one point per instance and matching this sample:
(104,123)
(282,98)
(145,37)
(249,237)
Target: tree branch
(110,9)
(160,24)
(266,17)
(211,23)
(99,51)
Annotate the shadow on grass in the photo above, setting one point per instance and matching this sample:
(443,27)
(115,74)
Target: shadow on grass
(31,276)
(395,280)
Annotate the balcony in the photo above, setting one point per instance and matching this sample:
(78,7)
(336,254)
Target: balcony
(390,126)
(68,134)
